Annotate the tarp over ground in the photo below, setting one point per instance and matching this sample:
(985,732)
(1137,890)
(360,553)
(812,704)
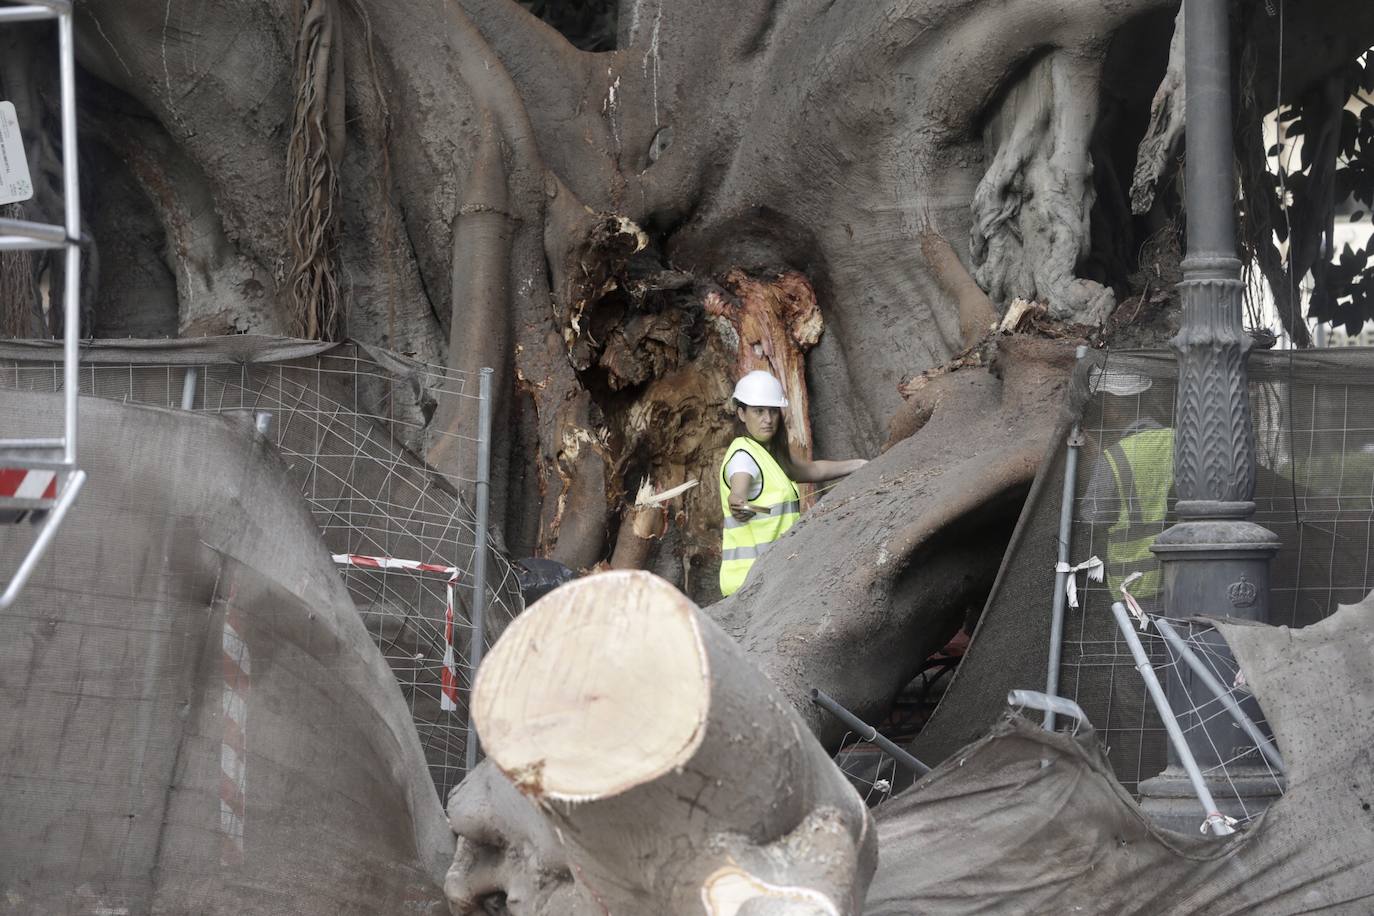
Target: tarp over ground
(1024,821)
(192,715)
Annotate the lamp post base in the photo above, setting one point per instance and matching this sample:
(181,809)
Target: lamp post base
(1216,566)
(1169,801)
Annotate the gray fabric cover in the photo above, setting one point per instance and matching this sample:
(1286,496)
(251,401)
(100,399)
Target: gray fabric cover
(1013,634)
(112,694)
(1023,821)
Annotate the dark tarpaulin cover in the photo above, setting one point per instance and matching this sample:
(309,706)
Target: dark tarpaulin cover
(152,767)
(1023,821)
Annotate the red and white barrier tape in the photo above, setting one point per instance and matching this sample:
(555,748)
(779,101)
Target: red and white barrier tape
(448,675)
(22,483)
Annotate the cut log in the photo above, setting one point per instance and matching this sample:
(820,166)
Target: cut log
(678,777)
(506,858)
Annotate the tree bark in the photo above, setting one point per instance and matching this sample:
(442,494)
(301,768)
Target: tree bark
(675,773)
(894,554)
(1031,208)
(1162,138)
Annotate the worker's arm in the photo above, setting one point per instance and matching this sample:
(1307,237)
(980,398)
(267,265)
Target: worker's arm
(816,471)
(739,496)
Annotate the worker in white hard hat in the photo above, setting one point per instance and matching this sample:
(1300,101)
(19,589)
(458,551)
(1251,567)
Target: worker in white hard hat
(759,476)
(1131,482)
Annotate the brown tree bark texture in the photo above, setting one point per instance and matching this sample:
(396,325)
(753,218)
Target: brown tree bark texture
(676,775)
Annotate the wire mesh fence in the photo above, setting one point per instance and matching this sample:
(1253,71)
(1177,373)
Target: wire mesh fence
(1314,428)
(1214,722)
(354,426)
(871,771)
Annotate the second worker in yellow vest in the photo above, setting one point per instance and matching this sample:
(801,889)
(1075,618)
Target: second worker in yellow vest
(1131,482)
(759,476)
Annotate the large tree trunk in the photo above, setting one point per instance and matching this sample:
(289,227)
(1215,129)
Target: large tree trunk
(676,775)
(579,221)
(574,219)
(897,553)
(618,234)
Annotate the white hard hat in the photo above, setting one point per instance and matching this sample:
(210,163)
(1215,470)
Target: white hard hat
(1119,382)
(759,389)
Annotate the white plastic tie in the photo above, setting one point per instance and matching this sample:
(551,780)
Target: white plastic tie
(1092,566)
(1218,824)
(1133,605)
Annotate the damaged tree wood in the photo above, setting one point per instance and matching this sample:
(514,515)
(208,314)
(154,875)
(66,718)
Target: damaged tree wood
(676,775)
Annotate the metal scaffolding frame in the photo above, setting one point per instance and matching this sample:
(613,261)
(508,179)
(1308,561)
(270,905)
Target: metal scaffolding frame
(57,453)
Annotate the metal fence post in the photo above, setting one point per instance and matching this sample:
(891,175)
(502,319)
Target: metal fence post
(188,388)
(1062,574)
(479,560)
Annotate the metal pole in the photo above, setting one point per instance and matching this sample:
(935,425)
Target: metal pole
(1208,171)
(31,12)
(1209,680)
(71,199)
(867,732)
(1213,818)
(1214,559)
(1061,578)
(479,559)
(188,388)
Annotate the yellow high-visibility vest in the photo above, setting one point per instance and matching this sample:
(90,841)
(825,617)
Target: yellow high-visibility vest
(741,543)
(1143,467)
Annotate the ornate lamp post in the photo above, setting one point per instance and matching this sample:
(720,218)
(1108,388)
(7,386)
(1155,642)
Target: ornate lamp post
(1215,560)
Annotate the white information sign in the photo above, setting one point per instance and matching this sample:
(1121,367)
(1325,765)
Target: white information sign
(15,184)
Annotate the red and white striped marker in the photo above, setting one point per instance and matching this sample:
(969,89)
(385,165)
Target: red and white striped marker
(448,675)
(23,483)
(236,670)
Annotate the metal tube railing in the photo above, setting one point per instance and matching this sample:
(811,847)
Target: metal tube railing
(867,732)
(35,10)
(28,236)
(45,535)
(1061,576)
(188,388)
(1215,687)
(42,235)
(1212,817)
(71,198)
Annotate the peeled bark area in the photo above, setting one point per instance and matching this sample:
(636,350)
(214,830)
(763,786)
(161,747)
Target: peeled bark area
(676,774)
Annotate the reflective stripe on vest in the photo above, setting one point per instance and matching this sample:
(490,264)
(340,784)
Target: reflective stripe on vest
(741,543)
(793,506)
(1142,466)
